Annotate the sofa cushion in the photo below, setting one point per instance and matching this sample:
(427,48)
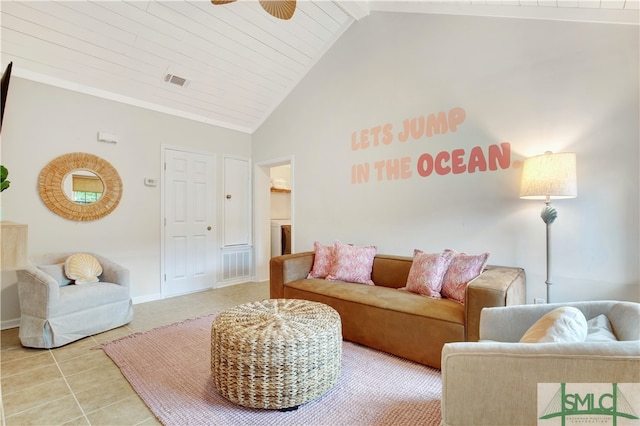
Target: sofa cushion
(427,272)
(599,330)
(352,263)
(390,299)
(81,298)
(564,324)
(322,260)
(391,271)
(462,269)
(56,272)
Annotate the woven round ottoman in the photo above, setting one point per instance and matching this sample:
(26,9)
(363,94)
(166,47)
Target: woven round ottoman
(276,353)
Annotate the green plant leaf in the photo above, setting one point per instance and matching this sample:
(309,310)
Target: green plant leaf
(4,183)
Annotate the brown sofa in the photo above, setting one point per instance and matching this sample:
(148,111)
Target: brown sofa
(399,322)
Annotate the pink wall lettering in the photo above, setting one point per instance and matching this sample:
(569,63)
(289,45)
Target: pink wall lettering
(431,125)
(360,173)
(394,169)
(372,137)
(456,161)
(415,128)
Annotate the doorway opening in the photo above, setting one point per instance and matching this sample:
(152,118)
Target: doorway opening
(274,215)
(280,212)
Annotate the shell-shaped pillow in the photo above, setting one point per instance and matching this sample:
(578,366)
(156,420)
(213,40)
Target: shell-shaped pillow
(83,268)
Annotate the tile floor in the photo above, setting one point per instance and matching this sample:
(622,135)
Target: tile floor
(78,384)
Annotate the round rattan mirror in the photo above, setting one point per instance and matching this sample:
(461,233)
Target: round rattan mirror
(52,179)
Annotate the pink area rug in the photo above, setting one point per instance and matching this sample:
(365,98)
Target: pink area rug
(170,369)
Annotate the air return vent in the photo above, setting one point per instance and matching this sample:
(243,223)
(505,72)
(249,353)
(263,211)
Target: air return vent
(178,81)
(236,264)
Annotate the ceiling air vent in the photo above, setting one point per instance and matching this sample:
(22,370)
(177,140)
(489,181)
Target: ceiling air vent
(178,81)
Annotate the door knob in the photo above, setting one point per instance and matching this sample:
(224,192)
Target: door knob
(208,228)
(228,196)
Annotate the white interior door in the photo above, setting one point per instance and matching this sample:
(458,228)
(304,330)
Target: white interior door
(237,202)
(189,207)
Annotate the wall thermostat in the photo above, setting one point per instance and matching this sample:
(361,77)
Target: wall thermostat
(107,137)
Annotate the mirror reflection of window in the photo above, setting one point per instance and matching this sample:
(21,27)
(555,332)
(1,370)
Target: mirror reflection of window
(86,188)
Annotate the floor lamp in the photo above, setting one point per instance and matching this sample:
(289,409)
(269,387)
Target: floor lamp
(549,177)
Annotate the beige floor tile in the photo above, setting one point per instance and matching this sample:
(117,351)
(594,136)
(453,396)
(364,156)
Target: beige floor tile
(9,338)
(18,352)
(30,378)
(110,335)
(78,421)
(107,393)
(91,359)
(150,422)
(146,324)
(56,412)
(70,351)
(88,378)
(21,365)
(130,411)
(35,396)
(142,325)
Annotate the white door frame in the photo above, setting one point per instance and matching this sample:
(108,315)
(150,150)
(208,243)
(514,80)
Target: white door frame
(163,159)
(262,214)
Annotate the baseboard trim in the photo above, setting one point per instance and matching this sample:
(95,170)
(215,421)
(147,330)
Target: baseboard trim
(229,283)
(145,299)
(12,323)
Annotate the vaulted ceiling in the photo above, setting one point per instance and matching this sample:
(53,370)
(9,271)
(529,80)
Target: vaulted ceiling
(233,63)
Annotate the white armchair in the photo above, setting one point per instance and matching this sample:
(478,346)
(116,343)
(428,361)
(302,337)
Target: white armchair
(495,381)
(54,313)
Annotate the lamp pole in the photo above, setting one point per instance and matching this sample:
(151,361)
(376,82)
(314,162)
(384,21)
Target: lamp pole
(548,215)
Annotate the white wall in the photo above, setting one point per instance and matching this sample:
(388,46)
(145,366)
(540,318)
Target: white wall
(536,85)
(42,122)
(280,205)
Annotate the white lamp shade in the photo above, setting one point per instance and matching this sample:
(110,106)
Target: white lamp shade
(549,176)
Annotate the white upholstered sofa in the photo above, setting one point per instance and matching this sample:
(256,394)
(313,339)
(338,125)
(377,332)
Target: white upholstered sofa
(495,381)
(54,312)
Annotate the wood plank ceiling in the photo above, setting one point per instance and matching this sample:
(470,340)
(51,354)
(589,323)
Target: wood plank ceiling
(239,63)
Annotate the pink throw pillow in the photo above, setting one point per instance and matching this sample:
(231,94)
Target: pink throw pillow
(463,268)
(352,264)
(427,272)
(322,261)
